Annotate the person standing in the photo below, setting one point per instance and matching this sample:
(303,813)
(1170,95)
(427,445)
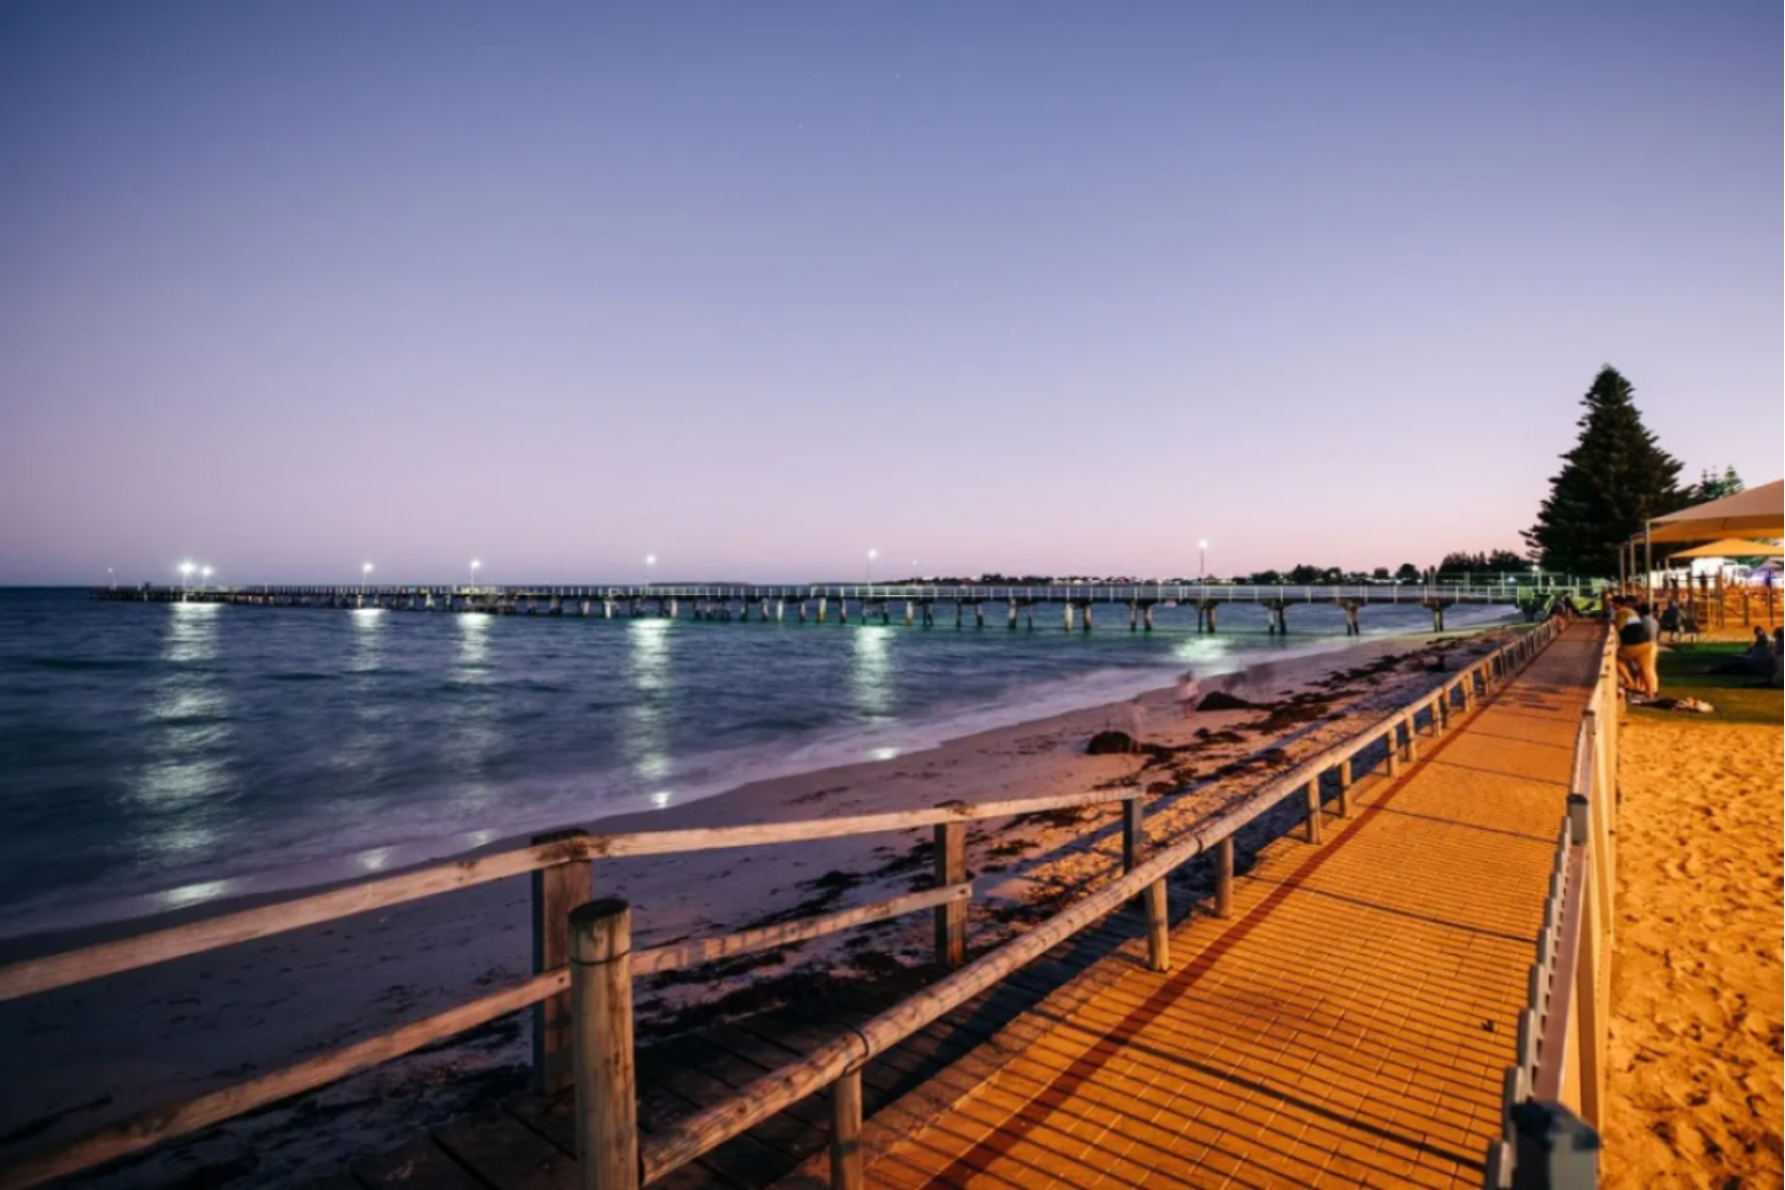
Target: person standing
(1652,659)
(1633,640)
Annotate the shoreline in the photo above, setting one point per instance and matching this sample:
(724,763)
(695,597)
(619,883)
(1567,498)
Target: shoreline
(190,1025)
(91,921)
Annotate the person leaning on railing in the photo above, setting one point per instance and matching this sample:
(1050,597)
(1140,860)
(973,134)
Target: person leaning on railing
(1636,649)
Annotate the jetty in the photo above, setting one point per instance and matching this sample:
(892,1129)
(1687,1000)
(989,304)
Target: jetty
(1406,985)
(1068,604)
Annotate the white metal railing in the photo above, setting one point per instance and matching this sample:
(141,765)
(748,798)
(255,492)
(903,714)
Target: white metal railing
(1554,1093)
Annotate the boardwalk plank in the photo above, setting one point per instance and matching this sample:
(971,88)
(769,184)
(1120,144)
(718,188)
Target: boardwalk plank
(410,1166)
(505,1154)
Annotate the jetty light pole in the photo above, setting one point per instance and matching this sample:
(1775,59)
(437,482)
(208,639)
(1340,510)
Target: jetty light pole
(650,561)
(872,554)
(365,573)
(204,579)
(474,565)
(185,577)
(1202,559)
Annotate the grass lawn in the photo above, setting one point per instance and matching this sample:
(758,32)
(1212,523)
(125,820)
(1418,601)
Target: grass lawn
(1739,698)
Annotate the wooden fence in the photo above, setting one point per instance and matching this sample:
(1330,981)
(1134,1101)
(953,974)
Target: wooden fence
(581,994)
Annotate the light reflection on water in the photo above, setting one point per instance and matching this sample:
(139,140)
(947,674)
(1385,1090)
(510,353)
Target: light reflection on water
(646,742)
(187,764)
(473,738)
(193,894)
(871,675)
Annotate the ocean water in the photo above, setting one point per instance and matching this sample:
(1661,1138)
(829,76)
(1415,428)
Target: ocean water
(157,755)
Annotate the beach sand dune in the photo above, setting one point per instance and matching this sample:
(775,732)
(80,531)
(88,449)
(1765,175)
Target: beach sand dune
(1695,1070)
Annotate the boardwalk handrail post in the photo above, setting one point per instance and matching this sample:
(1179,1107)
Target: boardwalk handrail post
(1133,840)
(556,891)
(601,1006)
(846,1132)
(951,916)
(1158,927)
(1224,877)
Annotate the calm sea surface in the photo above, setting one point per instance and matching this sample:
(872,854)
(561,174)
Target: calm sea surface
(156,755)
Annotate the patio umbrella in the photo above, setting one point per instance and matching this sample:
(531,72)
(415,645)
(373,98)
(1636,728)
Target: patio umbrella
(1732,547)
(1757,512)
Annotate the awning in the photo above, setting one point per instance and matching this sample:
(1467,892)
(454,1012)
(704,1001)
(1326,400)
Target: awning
(1757,512)
(1732,547)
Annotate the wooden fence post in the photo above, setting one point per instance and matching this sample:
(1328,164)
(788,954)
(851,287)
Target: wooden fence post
(1224,878)
(951,918)
(846,1132)
(1132,841)
(1393,739)
(1345,788)
(601,1004)
(1412,739)
(1314,824)
(1158,928)
(556,891)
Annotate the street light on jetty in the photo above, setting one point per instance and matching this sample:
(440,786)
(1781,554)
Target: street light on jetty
(650,561)
(872,554)
(1202,558)
(186,569)
(474,565)
(204,576)
(365,573)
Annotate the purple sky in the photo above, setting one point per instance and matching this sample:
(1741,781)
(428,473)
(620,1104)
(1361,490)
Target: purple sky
(286,287)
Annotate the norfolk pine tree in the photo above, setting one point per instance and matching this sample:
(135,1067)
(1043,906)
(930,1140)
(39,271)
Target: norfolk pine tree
(1614,479)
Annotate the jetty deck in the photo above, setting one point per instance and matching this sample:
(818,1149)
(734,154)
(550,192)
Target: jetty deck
(1349,1021)
(1073,604)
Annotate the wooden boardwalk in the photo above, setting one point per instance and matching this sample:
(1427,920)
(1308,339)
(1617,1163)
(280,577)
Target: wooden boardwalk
(529,1143)
(1348,1024)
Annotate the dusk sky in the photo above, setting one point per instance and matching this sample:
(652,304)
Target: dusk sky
(1020,287)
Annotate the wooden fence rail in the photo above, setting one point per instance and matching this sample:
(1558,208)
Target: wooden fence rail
(583,1026)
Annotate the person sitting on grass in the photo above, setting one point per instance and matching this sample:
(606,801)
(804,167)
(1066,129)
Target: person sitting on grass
(1761,659)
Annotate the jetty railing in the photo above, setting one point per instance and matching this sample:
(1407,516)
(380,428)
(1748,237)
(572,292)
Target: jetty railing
(1476,589)
(1553,1096)
(581,993)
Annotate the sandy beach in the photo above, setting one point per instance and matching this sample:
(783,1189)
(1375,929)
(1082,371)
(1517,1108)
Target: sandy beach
(1694,1090)
(106,1049)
